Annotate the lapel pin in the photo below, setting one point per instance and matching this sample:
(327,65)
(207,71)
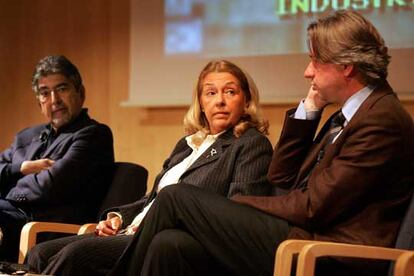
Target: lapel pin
(213,152)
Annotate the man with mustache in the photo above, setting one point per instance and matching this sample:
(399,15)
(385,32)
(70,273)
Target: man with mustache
(56,171)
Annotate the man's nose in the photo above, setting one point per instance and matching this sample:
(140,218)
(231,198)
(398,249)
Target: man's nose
(309,71)
(55,96)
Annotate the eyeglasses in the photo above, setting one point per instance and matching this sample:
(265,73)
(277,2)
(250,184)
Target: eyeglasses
(44,93)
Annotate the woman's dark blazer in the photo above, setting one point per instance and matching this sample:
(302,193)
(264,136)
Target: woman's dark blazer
(229,166)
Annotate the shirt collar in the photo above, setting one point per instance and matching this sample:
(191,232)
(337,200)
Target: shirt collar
(209,138)
(355,101)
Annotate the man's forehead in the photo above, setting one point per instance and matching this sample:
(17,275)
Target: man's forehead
(55,79)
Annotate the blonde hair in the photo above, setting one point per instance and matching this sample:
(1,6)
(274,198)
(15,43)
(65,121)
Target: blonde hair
(195,120)
(347,38)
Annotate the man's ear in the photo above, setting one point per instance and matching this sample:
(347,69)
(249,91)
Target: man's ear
(82,93)
(349,70)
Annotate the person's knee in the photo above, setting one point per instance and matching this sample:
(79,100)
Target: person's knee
(168,192)
(68,261)
(70,254)
(37,258)
(172,242)
(182,253)
(163,243)
(177,192)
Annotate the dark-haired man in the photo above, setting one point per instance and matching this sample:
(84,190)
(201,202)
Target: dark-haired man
(56,171)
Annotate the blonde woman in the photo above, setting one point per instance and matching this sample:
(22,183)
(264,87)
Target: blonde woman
(225,152)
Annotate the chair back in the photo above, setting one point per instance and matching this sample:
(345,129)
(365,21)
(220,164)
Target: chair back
(129,183)
(405,238)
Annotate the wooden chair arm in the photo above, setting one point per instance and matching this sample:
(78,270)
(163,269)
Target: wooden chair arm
(87,228)
(30,230)
(309,253)
(405,264)
(284,256)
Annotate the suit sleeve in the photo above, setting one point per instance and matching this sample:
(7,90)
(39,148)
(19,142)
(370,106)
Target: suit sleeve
(78,164)
(9,171)
(127,211)
(347,181)
(250,167)
(293,146)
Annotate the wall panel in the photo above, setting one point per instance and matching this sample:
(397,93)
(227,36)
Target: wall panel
(94,34)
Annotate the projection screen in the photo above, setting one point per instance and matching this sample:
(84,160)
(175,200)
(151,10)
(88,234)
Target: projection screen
(171,40)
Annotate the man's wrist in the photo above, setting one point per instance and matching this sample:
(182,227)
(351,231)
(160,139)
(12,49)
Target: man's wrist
(306,113)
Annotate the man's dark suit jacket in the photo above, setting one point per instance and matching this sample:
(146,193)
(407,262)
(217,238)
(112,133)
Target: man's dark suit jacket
(72,189)
(359,191)
(229,166)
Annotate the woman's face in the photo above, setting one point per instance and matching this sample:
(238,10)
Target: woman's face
(222,101)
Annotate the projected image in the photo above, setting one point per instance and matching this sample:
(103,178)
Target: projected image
(171,40)
(266,27)
(184,37)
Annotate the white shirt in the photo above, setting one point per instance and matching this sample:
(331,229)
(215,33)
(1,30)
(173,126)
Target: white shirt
(173,175)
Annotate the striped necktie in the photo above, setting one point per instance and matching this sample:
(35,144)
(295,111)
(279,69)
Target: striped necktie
(337,124)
